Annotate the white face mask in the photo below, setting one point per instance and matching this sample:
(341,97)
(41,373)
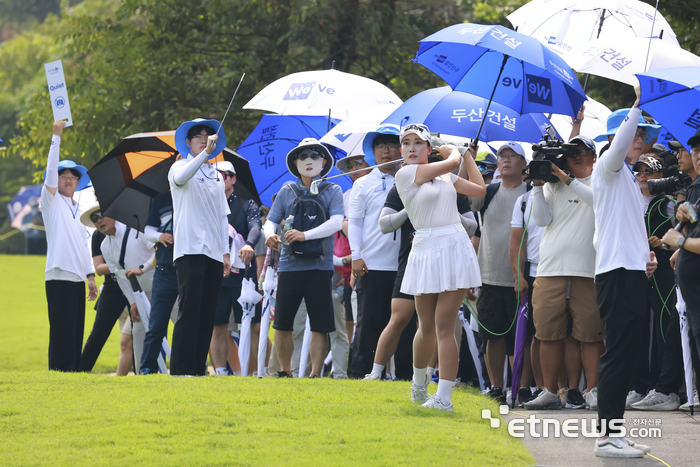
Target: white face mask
(310,168)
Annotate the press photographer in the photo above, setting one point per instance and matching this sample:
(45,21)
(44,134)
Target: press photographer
(550,158)
(677,172)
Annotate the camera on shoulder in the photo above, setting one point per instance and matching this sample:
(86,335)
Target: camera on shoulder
(551,151)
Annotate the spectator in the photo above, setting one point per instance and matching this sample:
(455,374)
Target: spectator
(374,255)
(497,299)
(304,274)
(68,259)
(623,265)
(200,237)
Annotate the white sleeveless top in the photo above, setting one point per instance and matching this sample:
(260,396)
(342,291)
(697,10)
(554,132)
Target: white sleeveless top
(432,204)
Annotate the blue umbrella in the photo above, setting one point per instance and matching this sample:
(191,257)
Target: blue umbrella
(461,114)
(268,144)
(672,97)
(22,198)
(503,66)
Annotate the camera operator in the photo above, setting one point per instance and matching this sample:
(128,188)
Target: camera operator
(567,267)
(688,243)
(661,300)
(685,165)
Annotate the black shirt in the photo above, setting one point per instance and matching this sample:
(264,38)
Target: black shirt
(688,264)
(393,201)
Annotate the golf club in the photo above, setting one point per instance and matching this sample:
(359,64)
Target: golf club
(314,184)
(229,104)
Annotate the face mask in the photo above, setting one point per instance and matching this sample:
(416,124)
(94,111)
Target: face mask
(315,166)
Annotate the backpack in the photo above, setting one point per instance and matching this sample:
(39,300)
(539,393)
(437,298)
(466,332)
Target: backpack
(491,191)
(309,212)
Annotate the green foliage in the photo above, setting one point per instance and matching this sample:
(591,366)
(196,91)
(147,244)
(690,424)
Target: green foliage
(76,419)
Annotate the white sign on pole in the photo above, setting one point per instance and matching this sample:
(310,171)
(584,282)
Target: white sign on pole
(58,92)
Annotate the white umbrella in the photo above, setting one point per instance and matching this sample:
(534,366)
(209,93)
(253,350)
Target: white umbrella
(685,342)
(564,24)
(620,59)
(594,122)
(144,307)
(270,290)
(322,92)
(349,134)
(473,349)
(248,299)
(305,345)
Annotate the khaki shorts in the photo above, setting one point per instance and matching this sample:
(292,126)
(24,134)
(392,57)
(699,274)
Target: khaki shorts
(125,321)
(550,308)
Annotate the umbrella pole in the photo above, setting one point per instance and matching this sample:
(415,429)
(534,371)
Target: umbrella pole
(651,33)
(486,114)
(600,28)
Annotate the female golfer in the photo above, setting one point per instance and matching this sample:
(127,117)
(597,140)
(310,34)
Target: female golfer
(442,264)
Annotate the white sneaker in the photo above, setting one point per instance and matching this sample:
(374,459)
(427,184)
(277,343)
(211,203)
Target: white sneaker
(372,377)
(420,393)
(545,401)
(615,447)
(591,398)
(632,397)
(658,401)
(696,403)
(434,402)
(642,447)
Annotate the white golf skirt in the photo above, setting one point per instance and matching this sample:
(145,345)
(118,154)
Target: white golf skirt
(442,259)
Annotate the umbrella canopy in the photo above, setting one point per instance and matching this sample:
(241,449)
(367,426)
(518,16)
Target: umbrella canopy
(21,199)
(594,123)
(322,92)
(248,299)
(135,172)
(672,97)
(520,340)
(564,24)
(504,66)
(268,144)
(460,114)
(620,59)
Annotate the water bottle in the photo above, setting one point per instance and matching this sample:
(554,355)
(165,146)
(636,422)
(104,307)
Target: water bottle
(287,227)
(338,293)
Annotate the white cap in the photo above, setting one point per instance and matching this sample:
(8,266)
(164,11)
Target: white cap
(225,166)
(515,147)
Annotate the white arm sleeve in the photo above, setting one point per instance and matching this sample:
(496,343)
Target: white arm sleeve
(583,191)
(355,237)
(151,233)
(87,257)
(540,209)
(52,163)
(328,228)
(469,223)
(390,220)
(187,171)
(614,158)
(150,264)
(224,235)
(269,228)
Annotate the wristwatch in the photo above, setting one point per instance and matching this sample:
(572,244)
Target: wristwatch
(345,261)
(681,242)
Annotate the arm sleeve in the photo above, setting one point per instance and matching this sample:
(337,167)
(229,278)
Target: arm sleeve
(390,220)
(224,235)
(540,209)
(615,157)
(328,228)
(183,173)
(583,191)
(254,217)
(269,228)
(468,222)
(150,264)
(151,233)
(355,237)
(52,163)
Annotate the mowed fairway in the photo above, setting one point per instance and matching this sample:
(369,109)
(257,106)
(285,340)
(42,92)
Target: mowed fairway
(91,419)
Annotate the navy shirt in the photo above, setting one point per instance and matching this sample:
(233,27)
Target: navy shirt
(161,217)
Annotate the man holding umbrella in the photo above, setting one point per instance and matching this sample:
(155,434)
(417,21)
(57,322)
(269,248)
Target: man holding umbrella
(68,260)
(200,227)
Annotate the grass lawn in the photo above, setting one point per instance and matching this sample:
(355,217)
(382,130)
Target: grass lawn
(91,419)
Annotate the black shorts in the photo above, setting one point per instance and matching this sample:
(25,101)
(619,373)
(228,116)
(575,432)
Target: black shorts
(347,301)
(496,310)
(530,311)
(397,286)
(228,300)
(314,287)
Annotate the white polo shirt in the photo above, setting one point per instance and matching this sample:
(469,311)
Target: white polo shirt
(139,251)
(199,205)
(379,251)
(534,232)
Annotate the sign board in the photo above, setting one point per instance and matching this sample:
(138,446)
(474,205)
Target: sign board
(58,92)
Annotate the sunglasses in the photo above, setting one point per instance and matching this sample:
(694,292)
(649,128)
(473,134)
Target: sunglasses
(306,154)
(96,216)
(416,127)
(646,171)
(356,163)
(226,175)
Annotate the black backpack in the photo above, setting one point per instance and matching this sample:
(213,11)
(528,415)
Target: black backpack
(309,212)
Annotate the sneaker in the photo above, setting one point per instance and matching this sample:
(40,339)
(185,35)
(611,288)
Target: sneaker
(591,399)
(420,393)
(563,393)
(524,395)
(632,397)
(537,392)
(372,377)
(658,401)
(615,447)
(434,402)
(283,374)
(642,447)
(147,371)
(574,399)
(545,401)
(696,403)
(498,395)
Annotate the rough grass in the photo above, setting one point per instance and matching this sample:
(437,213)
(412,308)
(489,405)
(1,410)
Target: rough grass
(90,419)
